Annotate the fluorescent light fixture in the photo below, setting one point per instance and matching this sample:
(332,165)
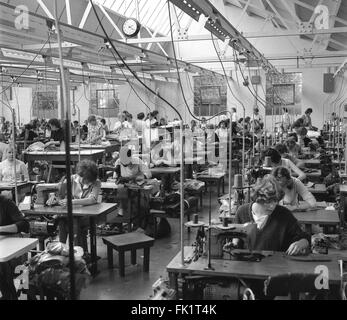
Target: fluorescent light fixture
(172,80)
(126,73)
(159,78)
(9,53)
(144,75)
(96,67)
(67,63)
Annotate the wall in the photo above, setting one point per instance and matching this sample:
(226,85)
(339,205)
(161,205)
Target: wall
(128,100)
(323,104)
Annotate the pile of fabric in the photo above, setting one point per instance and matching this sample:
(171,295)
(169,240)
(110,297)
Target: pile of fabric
(49,273)
(320,242)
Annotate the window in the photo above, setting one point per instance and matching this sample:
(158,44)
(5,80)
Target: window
(107,99)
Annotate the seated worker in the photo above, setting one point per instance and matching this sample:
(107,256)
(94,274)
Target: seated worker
(28,133)
(12,222)
(7,167)
(86,189)
(161,154)
(129,169)
(307,119)
(293,147)
(57,134)
(284,152)
(278,161)
(303,139)
(293,188)
(277,228)
(95,131)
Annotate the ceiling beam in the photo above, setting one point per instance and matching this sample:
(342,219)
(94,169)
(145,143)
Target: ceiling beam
(248,35)
(221,27)
(312,8)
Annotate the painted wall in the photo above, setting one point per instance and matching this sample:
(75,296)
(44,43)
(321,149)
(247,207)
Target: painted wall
(128,101)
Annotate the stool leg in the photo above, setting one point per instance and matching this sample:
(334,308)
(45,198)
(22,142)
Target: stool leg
(155,228)
(121,263)
(110,256)
(133,256)
(146,259)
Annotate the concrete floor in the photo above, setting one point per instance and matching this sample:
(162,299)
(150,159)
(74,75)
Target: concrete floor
(136,285)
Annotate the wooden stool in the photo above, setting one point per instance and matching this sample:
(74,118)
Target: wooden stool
(128,242)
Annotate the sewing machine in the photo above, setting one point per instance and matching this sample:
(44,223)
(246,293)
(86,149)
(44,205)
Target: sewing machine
(43,191)
(221,236)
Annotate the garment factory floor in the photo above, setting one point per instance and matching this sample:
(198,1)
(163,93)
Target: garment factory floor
(136,285)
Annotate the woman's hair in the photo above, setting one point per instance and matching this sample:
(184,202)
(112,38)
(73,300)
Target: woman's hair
(273,154)
(284,172)
(281,148)
(233,109)
(256,110)
(54,122)
(309,110)
(293,135)
(9,148)
(88,170)
(103,121)
(141,116)
(222,122)
(91,118)
(267,190)
(302,131)
(285,109)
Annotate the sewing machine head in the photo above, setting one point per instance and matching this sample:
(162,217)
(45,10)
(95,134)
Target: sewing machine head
(220,238)
(43,191)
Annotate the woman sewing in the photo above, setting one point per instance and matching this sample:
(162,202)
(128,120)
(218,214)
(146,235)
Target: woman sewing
(95,131)
(277,228)
(12,222)
(128,169)
(86,189)
(293,188)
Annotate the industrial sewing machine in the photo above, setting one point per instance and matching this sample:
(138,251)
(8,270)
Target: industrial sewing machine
(222,239)
(43,192)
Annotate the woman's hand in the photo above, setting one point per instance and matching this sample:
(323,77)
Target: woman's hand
(290,207)
(63,203)
(298,247)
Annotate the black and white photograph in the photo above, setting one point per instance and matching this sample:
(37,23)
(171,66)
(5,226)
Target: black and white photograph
(173,155)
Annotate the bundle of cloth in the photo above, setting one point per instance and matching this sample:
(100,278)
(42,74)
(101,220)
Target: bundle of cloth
(49,272)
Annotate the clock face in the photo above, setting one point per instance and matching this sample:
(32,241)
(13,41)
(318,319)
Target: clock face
(131,27)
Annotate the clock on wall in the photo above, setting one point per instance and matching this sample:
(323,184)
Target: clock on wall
(131,27)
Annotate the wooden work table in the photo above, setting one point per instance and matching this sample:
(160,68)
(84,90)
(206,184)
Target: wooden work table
(61,155)
(93,212)
(275,264)
(13,247)
(317,217)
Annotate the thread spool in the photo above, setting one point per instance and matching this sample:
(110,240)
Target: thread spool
(267,162)
(238,181)
(225,222)
(195,218)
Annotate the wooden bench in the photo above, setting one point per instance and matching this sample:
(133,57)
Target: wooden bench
(128,242)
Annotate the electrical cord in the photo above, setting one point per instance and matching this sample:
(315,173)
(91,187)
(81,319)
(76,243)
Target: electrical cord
(126,65)
(27,68)
(244,79)
(221,62)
